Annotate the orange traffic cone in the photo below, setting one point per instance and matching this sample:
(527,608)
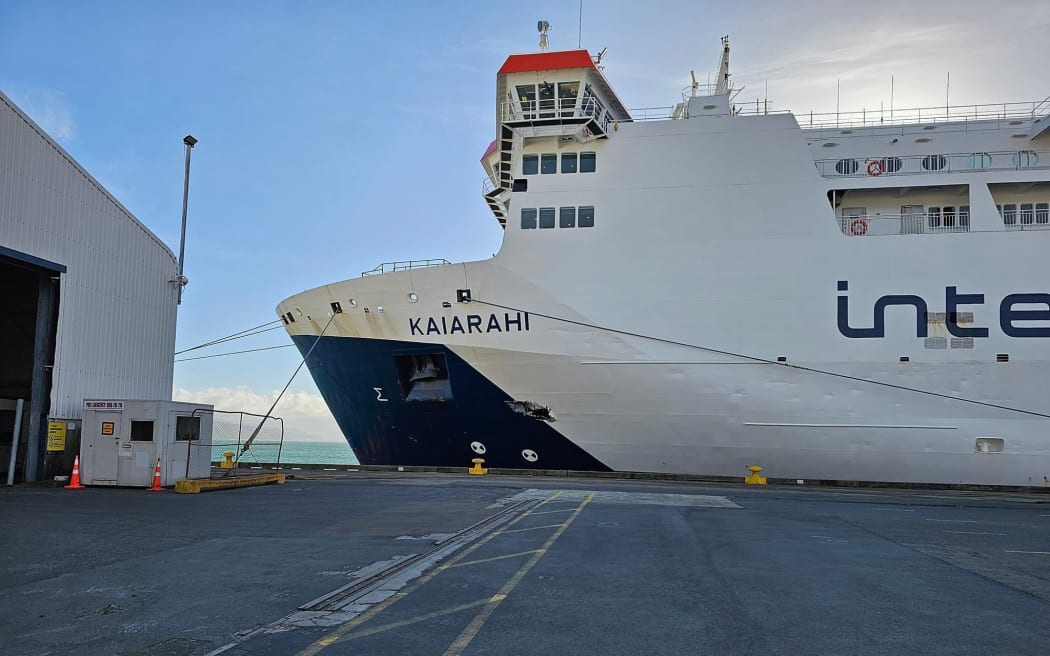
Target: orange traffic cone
(156,479)
(74,482)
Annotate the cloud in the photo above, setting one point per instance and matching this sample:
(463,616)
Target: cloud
(306,417)
(51,111)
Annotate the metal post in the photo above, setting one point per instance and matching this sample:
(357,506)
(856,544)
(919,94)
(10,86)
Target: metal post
(190,143)
(14,441)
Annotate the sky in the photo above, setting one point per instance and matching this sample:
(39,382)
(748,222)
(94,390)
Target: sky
(334,136)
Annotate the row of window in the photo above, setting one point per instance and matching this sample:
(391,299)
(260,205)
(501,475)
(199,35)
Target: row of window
(1020,159)
(564,217)
(948,216)
(548,163)
(1025,213)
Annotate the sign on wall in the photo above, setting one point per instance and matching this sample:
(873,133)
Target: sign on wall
(56,436)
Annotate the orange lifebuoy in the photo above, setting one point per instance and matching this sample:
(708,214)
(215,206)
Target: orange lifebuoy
(875,168)
(858,227)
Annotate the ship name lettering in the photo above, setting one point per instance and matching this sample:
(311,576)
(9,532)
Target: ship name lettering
(493,323)
(1012,314)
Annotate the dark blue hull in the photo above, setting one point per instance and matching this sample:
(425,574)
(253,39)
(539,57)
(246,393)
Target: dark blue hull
(389,419)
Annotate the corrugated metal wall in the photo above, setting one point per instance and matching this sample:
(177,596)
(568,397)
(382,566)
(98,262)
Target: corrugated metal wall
(116,325)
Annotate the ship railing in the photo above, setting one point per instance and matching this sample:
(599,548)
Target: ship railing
(404,265)
(876,225)
(553,109)
(1004,160)
(924,115)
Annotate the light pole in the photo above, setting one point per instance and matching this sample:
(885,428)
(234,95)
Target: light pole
(190,142)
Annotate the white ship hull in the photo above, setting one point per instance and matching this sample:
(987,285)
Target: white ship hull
(719,315)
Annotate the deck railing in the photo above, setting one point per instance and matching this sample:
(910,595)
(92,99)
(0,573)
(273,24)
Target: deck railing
(404,265)
(920,223)
(879,165)
(925,115)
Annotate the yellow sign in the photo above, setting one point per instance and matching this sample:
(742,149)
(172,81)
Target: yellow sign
(56,436)
(107,428)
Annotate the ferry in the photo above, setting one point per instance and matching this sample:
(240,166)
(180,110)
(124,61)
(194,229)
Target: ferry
(715,285)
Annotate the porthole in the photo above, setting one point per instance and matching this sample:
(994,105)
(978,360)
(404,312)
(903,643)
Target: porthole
(980,161)
(478,448)
(846,166)
(412,297)
(353,302)
(891,164)
(934,162)
(1025,158)
(529,455)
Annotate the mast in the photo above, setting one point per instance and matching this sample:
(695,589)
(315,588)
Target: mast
(722,81)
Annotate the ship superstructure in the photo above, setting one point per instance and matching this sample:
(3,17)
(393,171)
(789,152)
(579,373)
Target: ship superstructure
(711,285)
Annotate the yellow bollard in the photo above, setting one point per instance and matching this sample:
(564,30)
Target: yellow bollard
(477,469)
(228,463)
(756,477)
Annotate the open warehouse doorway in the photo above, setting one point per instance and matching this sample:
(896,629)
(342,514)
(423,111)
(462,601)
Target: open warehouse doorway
(29,299)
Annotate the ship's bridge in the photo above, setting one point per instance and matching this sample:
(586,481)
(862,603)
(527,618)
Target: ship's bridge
(545,94)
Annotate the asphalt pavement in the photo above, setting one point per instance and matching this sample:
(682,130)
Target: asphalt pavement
(584,566)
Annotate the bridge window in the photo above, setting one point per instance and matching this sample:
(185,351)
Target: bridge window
(546,217)
(1042,213)
(548,164)
(568,162)
(530,164)
(527,97)
(588,162)
(585,218)
(528,218)
(934,162)
(546,100)
(567,217)
(567,92)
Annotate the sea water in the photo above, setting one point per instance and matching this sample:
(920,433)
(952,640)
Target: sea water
(302,453)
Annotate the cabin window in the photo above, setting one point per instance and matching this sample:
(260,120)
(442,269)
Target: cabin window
(530,164)
(567,93)
(948,216)
(934,162)
(585,217)
(548,164)
(141,431)
(567,217)
(588,162)
(891,164)
(1042,213)
(933,217)
(1027,213)
(568,162)
(546,217)
(964,216)
(1009,212)
(846,166)
(1025,158)
(528,218)
(980,161)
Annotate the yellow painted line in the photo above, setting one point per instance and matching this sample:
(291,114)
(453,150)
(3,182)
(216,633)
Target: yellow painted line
(344,629)
(489,560)
(472,629)
(416,620)
(533,528)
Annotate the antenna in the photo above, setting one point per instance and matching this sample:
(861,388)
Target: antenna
(598,57)
(543,27)
(579,43)
(695,85)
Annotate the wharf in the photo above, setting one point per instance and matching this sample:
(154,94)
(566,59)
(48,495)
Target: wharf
(386,562)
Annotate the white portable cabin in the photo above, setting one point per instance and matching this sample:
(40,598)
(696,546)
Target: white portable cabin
(122,440)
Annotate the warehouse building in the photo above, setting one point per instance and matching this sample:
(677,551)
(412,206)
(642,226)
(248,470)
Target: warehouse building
(88,300)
